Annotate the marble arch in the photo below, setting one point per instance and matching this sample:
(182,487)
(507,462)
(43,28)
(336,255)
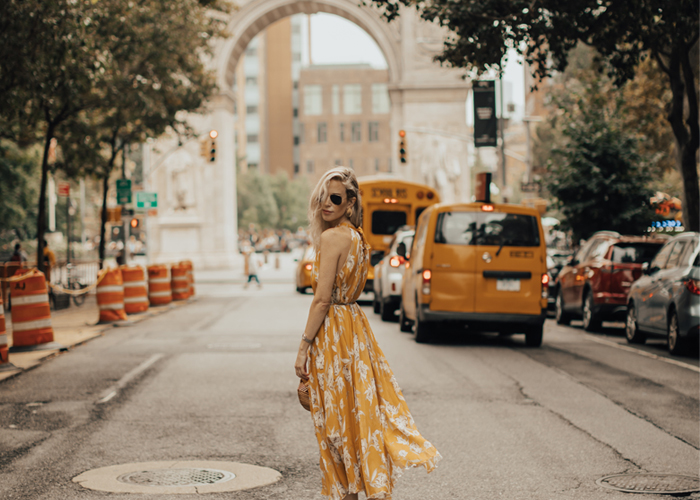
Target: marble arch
(428,101)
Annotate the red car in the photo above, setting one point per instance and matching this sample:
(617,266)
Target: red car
(594,285)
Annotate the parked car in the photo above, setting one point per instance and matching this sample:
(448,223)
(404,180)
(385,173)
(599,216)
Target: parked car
(304,267)
(556,260)
(595,284)
(388,275)
(665,302)
(477,264)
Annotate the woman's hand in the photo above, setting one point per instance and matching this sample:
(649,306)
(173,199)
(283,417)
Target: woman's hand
(300,364)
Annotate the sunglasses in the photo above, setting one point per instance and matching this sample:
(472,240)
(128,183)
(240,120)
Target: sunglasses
(336,199)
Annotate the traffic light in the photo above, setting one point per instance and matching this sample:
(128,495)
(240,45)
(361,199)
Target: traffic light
(134,223)
(403,149)
(212,145)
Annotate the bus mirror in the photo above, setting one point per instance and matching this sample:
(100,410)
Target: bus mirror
(401,250)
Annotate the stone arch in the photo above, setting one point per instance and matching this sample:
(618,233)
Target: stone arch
(256,15)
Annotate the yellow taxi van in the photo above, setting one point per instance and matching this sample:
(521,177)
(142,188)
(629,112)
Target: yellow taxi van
(482,265)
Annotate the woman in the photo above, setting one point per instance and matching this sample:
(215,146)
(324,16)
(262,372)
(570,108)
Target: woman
(364,428)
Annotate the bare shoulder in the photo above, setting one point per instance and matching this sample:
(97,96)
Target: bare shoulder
(336,239)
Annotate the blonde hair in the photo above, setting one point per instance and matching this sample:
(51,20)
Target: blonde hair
(347,178)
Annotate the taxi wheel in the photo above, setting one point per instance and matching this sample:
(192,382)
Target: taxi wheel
(375,304)
(632,333)
(533,336)
(423,331)
(591,321)
(563,318)
(676,344)
(404,323)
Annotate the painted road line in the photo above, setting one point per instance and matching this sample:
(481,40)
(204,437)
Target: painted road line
(122,382)
(642,353)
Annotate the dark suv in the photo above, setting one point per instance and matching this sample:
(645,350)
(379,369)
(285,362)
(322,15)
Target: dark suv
(595,284)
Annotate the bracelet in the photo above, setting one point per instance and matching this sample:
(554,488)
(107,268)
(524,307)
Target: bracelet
(305,339)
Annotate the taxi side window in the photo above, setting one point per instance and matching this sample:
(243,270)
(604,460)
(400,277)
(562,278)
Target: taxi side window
(599,250)
(585,250)
(674,257)
(659,261)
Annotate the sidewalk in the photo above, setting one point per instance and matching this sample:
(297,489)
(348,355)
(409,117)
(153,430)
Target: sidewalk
(268,273)
(72,327)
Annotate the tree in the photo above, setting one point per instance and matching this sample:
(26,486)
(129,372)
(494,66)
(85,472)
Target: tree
(256,201)
(292,199)
(18,189)
(598,178)
(544,32)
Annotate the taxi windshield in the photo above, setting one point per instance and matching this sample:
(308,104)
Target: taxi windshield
(478,228)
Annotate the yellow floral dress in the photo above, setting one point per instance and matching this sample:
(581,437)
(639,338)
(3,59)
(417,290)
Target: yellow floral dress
(364,428)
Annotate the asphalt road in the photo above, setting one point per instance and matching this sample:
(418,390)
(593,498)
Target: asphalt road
(214,380)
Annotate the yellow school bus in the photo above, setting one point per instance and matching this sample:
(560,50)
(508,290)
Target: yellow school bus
(389,203)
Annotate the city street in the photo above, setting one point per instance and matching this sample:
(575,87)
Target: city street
(214,381)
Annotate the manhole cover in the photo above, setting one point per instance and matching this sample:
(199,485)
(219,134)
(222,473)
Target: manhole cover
(176,477)
(660,484)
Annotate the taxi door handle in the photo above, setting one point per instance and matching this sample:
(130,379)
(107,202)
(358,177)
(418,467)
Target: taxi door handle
(443,265)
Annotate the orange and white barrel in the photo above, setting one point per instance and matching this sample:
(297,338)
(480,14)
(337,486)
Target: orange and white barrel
(4,351)
(190,275)
(31,313)
(159,291)
(135,289)
(180,282)
(110,296)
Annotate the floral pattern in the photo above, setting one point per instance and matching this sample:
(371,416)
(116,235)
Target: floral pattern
(364,429)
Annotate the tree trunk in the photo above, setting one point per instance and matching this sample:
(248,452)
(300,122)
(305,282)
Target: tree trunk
(41,218)
(689,165)
(103,219)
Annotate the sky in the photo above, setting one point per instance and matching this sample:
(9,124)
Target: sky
(335,40)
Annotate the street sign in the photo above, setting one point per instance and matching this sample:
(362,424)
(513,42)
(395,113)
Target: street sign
(64,189)
(530,187)
(123,191)
(485,121)
(145,199)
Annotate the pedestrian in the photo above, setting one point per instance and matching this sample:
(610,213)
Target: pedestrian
(365,431)
(49,256)
(253,265)
(18,254)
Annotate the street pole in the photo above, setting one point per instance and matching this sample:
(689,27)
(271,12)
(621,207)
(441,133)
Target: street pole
(501,128)
(125,225)
(68,229)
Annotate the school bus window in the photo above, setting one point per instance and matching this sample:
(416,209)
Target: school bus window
(419,211)
(385,222)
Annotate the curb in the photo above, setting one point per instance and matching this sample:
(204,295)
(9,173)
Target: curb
(30,360)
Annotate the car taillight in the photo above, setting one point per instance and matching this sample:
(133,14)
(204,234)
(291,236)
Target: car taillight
(396,261)
(693,286)
(427,275)
(309,267)
(545,285)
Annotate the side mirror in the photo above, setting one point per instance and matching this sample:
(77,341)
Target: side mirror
(401,250)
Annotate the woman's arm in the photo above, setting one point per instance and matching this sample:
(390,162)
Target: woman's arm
(335,243)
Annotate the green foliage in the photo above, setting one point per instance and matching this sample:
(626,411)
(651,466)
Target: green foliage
(271,202)
(598,178)
(19,185)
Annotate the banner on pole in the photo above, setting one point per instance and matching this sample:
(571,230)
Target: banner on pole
(485,121)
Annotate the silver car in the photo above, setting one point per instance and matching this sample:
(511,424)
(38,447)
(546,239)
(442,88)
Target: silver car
(665,302)
(388,274)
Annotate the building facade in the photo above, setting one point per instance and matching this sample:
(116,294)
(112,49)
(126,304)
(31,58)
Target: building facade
(344,119)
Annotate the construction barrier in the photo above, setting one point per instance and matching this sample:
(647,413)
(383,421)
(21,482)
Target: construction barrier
(135,289)
(110,296)
(190,275)
(31,314)
(7,270)
(4,351)
(159,291)
(180,282)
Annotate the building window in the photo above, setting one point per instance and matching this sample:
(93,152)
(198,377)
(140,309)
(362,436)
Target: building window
(296,168)
(252,138)
(253,165)
(251,110)
(295,85)
(310,166)
(351,164)
(388,165)
(373,131)
(251,80)
(336,99)
(295,112)
(380,99)
(356,132)
(296,57)
(376,164)
(342,132)
(313,100)
(296,140)
(352,99)
(322,132)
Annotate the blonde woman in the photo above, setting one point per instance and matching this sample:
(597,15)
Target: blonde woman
(364,429)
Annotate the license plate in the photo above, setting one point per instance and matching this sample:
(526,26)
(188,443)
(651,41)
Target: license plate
(508,285)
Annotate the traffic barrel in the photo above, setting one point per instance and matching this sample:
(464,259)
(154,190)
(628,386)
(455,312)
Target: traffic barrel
(135,289)
(4,351)
(110,296)
(190,275)
(180,282)
(31,313)
(159,291)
